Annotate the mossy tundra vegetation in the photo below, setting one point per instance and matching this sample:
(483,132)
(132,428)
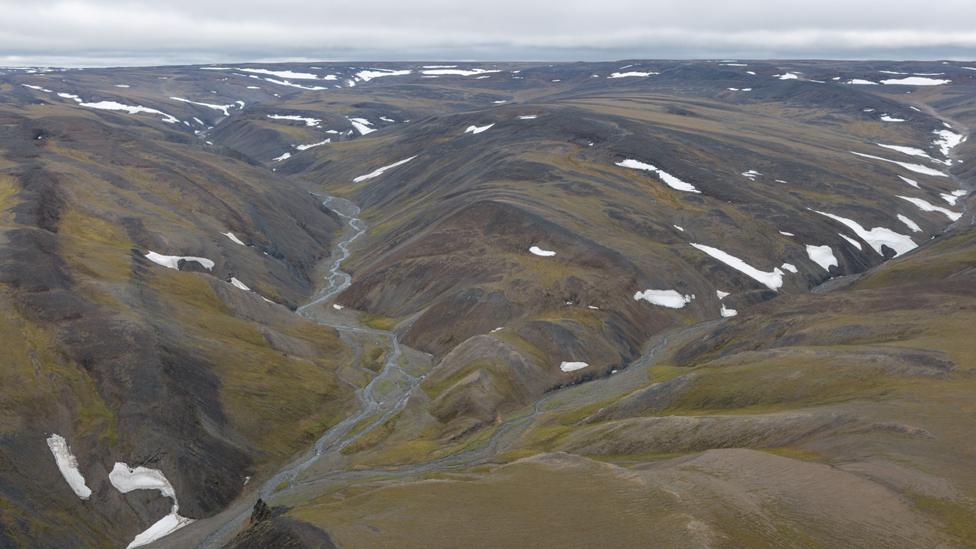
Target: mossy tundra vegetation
(536,347)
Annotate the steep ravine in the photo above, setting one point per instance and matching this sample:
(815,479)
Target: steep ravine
(376,405)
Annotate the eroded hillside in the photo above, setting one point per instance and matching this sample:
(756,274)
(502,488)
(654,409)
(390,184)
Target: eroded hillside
(726,299)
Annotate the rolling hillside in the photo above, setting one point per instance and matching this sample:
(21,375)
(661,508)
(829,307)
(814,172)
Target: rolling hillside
(711,303)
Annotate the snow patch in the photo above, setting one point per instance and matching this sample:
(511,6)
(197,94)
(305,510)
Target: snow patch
(915,81)
(362,125)
(876,237)
(233,238)
(160,529)
(946,140)
(772,280)
(822,255)
(238,284)
(917,168)
(954,196)
(911,182)
(478,129)
(293,85)
(68,465)
(632,74)
(535,250)
(307,146)
(310,122)
(572,366)
(909,223)
(131,109)
(173,261)
(222,108)
(379,171)
(926,206)
(458,72)
(368,75)
(125,479)
(910,151)
(288,74)
(851,241)
(888,118)
(665,298)
(726,312)
(668,179)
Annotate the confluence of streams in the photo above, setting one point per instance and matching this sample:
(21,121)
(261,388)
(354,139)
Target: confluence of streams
(337,437)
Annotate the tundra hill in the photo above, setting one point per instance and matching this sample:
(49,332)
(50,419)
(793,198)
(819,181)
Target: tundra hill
(775,176)
(825,419)
(171,368)
(727,299)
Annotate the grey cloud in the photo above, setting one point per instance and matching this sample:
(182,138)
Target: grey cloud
(79,32)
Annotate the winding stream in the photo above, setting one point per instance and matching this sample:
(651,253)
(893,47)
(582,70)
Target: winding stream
(339,436)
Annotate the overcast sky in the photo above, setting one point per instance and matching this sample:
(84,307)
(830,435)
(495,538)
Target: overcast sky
(107,32)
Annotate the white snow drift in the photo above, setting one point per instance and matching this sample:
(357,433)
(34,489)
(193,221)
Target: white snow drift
(917,168)
(946,140)
(909,223)
(915,81)
(371,74)
(927,206)
(307,146)
(632,74)
(222,108)
(668,179)
(458,72)
(131,109)
(822,255)
(876,237)
(379,171)
(665,298)
(233,238)
(851,241)
(68,466)
(535,250)
(911,182)
(309,121)
(362,125)
(772,280)
(478,129)
(910,151)
(126,479)
(173,261)
(286,74)
(572,366)
(238,284)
